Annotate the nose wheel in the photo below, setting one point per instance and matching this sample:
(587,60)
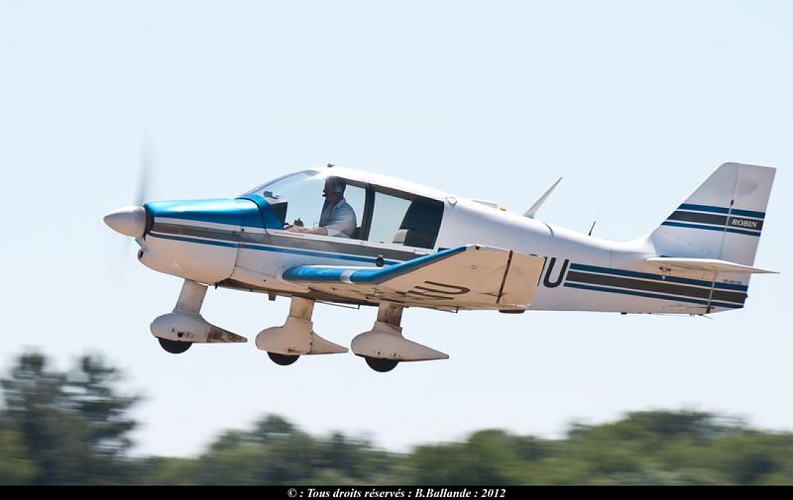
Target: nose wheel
(184,326)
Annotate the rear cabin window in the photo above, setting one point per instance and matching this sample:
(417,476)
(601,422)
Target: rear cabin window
(405,220)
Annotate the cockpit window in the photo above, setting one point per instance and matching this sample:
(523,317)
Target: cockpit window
(383,215)
(298,199)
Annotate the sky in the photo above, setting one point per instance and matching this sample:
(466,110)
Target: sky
(633,103)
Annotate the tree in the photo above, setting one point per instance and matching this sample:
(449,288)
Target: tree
(276,452)
(91,395)
(73,425)
(73,428)
(487,457)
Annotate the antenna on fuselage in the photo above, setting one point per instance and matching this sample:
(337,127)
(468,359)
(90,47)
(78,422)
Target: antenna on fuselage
(595,221)
(537,204)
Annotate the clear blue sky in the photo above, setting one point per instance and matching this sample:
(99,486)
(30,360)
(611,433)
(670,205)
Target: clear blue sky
(634,103)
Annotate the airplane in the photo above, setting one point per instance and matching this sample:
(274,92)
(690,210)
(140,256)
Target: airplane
(416,246)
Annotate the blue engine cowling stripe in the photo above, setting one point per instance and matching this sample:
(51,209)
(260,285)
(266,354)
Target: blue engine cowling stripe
(270,220)
(237,213)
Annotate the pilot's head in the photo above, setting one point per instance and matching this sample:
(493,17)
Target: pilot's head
(334,188)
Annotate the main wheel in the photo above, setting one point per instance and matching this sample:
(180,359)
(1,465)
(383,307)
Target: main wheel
(380,364)
(173,346)
(282,359)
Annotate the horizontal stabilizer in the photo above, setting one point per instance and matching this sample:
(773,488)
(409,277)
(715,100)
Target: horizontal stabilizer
(713,265)
(466,277)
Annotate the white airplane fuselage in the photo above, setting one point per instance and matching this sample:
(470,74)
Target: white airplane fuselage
(395,244)
(580,273)
(561,247)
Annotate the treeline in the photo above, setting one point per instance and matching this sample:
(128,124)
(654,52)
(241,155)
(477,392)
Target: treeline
(72,428)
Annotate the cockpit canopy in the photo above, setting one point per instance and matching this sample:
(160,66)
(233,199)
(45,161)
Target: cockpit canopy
(385,215)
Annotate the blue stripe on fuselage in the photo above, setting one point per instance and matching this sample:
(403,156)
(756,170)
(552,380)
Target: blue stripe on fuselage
(656,277)
(652,295)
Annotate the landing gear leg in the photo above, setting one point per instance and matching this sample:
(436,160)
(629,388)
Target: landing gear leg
(284,344)
(177,331)
(383,347)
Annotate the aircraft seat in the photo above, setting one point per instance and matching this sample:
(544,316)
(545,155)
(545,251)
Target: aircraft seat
(420,225)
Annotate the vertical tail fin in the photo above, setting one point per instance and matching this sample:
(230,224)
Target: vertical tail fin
(722,219)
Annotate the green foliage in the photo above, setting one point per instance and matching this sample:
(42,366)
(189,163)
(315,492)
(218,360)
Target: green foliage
(16,466)
(91,395)
(72,425)
(489,457)
(72,428)
(274,452)
(755,458)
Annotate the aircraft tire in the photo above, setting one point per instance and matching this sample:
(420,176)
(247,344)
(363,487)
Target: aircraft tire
(173,346)
(380,364)
(282,359)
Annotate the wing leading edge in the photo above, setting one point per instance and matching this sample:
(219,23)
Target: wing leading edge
(466,277)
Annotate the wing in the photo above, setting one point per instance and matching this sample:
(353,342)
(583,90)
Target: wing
(466,277)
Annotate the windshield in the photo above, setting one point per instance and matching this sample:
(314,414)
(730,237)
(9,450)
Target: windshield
(299,197)
(281,184)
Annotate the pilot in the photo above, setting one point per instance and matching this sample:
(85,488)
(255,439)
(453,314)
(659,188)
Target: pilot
(337,218)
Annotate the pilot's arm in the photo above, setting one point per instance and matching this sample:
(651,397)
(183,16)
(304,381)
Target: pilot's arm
(338,220)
